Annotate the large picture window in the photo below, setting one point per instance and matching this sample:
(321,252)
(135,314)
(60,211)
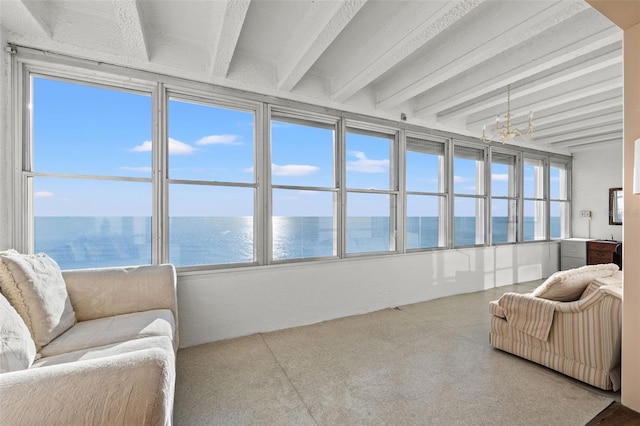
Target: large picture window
(504,200)
(535,202)
(372,192)
(114,171)
(304,191)
(469,196)
(426,210)
(91,186)
(212,184)
(559,204)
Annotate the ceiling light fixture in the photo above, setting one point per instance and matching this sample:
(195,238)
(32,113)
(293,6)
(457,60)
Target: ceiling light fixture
(504,134)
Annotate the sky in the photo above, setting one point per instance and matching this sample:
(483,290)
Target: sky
(79,129)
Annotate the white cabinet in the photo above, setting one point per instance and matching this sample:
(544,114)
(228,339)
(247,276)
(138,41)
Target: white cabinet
(573,253)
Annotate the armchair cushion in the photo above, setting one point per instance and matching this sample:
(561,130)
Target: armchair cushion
(17,350)
(567,286)
(34,286)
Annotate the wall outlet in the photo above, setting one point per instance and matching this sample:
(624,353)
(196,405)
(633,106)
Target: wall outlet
(585,214)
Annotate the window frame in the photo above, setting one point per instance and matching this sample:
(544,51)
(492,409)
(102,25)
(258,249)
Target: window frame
(543,199)
(24,208)
(443,194)
(304,118)
(516,197)
(29,62)
(485,185)
(396,215)
(169,93)
(564,231)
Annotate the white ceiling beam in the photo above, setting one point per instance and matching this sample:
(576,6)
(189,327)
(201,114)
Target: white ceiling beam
(611,62)
(37,11)
(130,25)
(235,12)
(550,102)
(602,120)
(478,48)
(520,64)
(421,22)
(598,138)
(320,26)
(580,133)
(598,144)
(589,107)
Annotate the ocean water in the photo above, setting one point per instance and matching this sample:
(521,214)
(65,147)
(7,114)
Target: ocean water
(84,242)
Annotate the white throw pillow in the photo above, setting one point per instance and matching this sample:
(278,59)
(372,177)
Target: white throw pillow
(17,350)
(567,286)
(34,286)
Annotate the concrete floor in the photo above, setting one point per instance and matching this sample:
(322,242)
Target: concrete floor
(428,363)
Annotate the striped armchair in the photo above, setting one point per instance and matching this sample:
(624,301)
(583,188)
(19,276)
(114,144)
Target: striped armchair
(580,338)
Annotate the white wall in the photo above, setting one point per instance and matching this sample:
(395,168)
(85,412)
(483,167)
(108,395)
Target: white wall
(237,302)
(596,170)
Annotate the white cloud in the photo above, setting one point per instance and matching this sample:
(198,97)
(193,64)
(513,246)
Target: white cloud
(144,147)
(219,140)
(293,170)
(175,147)
(502,177)
(42,194)
(137,169)
(367,165)
(458,179)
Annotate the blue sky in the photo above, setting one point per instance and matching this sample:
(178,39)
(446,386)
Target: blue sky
(80,129)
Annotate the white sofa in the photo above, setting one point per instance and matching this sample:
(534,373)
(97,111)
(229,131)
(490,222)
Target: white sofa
(114,365)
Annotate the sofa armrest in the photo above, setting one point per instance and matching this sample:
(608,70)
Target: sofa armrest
(102,292)
(134,388)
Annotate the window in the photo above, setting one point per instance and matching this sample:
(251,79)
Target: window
(469,196)
(426,211)
(534,199)
(212,184)
(372,191)
(504,201)
(304,190)
(559,200)
(119,170)
(89,175)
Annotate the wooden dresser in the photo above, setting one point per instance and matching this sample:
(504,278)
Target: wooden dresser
(603,251)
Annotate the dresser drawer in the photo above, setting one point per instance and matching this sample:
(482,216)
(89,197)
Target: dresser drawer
(597,257)
(608,247)
(573,249)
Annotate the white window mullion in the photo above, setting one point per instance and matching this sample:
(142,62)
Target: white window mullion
(160,152)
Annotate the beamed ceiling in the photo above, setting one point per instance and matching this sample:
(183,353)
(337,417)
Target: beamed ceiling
(444,64)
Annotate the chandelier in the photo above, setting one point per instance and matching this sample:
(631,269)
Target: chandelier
(507,133)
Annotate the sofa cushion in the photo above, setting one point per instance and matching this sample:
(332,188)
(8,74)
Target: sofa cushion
(34,286)
(162,342)
(17,349)
(115,329)
(567,286)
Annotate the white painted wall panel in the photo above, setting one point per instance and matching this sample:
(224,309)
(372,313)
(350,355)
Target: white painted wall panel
(224,304)
(594,172)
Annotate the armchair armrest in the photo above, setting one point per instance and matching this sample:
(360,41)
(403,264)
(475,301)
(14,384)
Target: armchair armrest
(135,388)
(591,300)
(103,292)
